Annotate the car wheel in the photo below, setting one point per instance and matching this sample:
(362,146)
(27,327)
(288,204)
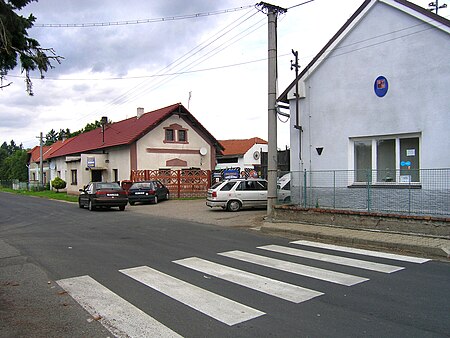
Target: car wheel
(122,208)
(167,196)
(234,205)
(90,206)
(132,203)
(155,201)
(81,206)
(287,200)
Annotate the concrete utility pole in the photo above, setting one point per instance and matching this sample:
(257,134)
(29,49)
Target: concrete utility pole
(272,161)
(41,160)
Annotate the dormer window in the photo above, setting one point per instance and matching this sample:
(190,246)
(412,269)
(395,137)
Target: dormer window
(175,134)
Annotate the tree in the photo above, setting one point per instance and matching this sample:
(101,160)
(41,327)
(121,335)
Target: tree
(16,46)
(51,137)
(58,183)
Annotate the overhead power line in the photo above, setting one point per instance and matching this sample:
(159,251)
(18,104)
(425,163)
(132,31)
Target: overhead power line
(140,21)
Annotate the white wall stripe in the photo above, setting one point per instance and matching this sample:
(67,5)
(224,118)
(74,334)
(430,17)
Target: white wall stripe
(357,263)
(299,269)
(223,309)
(119,316)
(266,285)
(363,252)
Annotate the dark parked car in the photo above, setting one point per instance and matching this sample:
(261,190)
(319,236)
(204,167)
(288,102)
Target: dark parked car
(147,191)
(102,194)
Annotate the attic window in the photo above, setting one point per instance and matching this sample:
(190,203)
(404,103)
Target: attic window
(175,134)
(170,135)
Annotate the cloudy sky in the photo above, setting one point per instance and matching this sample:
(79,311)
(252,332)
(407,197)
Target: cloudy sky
(150,60)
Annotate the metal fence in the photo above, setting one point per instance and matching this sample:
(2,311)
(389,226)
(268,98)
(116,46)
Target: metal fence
(418,192)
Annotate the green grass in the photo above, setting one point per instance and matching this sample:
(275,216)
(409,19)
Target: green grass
(44,194)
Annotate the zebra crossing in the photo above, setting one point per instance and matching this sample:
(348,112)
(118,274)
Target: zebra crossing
(124,319)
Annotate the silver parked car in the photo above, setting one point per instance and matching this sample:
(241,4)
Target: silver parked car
(234,194)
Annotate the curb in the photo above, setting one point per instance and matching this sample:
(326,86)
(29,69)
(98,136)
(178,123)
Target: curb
(417,249)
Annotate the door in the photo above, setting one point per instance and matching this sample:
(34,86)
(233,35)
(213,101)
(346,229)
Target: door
(96,175)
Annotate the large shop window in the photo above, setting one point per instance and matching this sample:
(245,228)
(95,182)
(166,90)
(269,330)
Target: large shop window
(387,159)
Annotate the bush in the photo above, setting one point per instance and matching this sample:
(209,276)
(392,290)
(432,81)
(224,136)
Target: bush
(58,183)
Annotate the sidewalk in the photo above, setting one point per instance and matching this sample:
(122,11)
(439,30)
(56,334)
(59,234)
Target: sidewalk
(438,248)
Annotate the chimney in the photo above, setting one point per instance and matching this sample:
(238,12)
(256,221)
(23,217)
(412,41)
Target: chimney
(140,112)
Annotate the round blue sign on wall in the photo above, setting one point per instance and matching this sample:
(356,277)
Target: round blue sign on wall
(381,86)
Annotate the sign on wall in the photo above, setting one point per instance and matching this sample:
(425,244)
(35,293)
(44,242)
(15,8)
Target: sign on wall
(91,162)
(381,86)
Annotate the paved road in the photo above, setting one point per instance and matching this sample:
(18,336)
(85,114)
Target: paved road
(141,274)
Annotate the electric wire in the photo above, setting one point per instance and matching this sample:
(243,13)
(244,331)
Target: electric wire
(140,21)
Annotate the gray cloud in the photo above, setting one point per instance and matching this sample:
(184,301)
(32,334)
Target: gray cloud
(117,49)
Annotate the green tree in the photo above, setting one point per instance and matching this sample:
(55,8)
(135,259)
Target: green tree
(15,166)
(51,137)
(16,47)
(58,183)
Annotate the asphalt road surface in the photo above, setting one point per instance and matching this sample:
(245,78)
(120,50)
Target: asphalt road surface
(68,272)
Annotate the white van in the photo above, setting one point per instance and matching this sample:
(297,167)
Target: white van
(284,188)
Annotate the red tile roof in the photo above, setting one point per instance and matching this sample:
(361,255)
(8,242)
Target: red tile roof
(127,131)
(47,151)
(239,147)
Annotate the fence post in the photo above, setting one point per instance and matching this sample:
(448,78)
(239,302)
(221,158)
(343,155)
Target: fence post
(369,182)
(334,189)
(179,183)
(304,187)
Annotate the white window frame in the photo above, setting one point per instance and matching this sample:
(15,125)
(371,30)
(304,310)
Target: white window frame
(374,140)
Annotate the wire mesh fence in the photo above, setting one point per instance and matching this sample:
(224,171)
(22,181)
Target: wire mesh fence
(418,192)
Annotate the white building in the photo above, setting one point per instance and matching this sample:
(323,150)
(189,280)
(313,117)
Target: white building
(375,100)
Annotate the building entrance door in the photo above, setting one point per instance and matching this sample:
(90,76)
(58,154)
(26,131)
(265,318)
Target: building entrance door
(96,175)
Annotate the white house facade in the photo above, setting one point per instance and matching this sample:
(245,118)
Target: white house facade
(375,101)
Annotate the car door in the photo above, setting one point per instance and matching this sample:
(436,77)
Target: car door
(261,188)
(248,194)
(84,195)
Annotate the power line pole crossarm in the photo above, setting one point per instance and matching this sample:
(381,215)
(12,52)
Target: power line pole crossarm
(272,161)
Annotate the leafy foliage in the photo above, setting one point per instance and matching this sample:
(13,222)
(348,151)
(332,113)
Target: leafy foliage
(13,162)
(16,46)
(58,183)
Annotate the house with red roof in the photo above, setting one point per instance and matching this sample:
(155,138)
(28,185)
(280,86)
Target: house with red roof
(242,154)
(166,138)
(34,161)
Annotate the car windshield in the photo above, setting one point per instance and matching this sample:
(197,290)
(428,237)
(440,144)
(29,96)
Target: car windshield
(107,186)
(142,185)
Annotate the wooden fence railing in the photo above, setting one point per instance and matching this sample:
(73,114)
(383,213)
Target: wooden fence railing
(181,183)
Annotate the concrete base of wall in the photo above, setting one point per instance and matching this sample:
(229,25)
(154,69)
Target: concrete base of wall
(406,224)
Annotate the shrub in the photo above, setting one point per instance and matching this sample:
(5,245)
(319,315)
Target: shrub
(58,183)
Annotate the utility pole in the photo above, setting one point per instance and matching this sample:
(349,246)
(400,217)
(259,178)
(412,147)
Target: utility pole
(435,6)
(297,115)
(272,160)
(41,160)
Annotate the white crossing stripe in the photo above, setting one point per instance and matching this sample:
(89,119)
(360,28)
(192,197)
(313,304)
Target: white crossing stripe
(299,269)
(116,314)
(363,252)
(270,286)
(223,309)
(357,263)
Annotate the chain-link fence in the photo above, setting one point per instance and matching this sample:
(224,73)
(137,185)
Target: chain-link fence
(413,192)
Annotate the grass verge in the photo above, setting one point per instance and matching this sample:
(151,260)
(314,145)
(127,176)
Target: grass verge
(44,194)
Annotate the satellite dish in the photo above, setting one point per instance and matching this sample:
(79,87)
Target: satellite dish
(203,151)
(256,155)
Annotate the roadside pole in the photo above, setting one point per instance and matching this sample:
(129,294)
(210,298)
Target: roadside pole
(272,161)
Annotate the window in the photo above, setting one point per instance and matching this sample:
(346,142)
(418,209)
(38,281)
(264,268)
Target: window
(394,159)
(175,133)
(74,177)
(170,135)
(116,175)
(181,135)
(363,160)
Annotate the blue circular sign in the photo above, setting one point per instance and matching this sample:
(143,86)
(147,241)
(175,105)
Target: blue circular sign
(381,86)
